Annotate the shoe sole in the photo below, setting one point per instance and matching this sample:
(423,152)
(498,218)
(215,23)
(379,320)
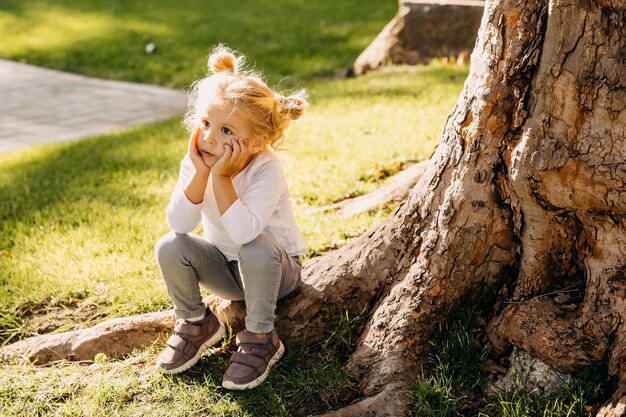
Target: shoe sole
(253,384)
(203,348)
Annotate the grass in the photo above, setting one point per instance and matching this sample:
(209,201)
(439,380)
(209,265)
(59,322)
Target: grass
(78,221)
(456,375)
(570,401)
(456,381)
(307,380)
(287,38)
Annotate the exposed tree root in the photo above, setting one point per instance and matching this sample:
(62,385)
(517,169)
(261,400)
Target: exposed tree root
(116,337)
(613,408)
(302,315)
(391,402)
(546,331)
(398,188)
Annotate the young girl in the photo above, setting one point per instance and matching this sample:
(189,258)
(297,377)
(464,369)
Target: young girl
(231,180)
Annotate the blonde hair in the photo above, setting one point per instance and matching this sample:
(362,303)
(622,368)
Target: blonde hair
(267,112)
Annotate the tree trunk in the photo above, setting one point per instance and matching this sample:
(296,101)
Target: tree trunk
(524,197)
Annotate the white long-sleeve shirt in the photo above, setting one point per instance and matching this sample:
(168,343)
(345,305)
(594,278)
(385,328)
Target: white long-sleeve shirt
(263,206)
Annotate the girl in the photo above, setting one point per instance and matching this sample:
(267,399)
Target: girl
(231,180)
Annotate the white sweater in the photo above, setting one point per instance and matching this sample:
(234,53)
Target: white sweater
(263,206)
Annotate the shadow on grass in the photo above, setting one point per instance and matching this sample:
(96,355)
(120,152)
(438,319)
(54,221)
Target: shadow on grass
(62,184)
(96,187)
(308,380)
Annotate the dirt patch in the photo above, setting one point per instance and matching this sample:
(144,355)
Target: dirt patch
(71,315)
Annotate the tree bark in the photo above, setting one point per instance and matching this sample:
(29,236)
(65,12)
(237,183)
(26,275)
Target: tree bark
(524,197)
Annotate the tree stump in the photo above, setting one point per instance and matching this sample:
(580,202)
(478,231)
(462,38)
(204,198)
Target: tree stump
(422,30)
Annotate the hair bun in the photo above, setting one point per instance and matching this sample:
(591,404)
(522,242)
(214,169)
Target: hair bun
(223,59)
(294,105)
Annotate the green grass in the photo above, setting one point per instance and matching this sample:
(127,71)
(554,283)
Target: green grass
(306,380)
(456,373)
(570,401)
(286,38)
(456,381)
(78,221)
(365,123)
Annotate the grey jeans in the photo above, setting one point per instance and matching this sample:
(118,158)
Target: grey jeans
(262,275)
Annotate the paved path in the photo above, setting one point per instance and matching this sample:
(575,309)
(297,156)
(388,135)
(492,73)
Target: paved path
(39,105)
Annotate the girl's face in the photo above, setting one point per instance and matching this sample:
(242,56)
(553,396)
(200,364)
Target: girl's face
(220,124)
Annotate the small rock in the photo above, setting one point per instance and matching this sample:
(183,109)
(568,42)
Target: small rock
(531,374)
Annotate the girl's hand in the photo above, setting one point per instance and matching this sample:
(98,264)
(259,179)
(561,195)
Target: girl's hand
(235,158)
(194,154)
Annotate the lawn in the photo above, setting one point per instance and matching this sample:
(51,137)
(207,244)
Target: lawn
(286,38)
(78,221)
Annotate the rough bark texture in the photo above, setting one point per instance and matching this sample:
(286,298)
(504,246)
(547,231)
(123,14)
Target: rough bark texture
(524,198)
(566,185)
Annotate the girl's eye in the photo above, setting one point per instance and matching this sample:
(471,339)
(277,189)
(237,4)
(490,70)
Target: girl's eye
(226,130)
(205,123)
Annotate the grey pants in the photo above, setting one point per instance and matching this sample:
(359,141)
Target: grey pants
(263,274)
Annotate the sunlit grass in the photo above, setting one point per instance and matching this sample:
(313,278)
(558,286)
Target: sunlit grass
(368,122)
(82,218)
(286,38)
(307,379)
(78,221)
